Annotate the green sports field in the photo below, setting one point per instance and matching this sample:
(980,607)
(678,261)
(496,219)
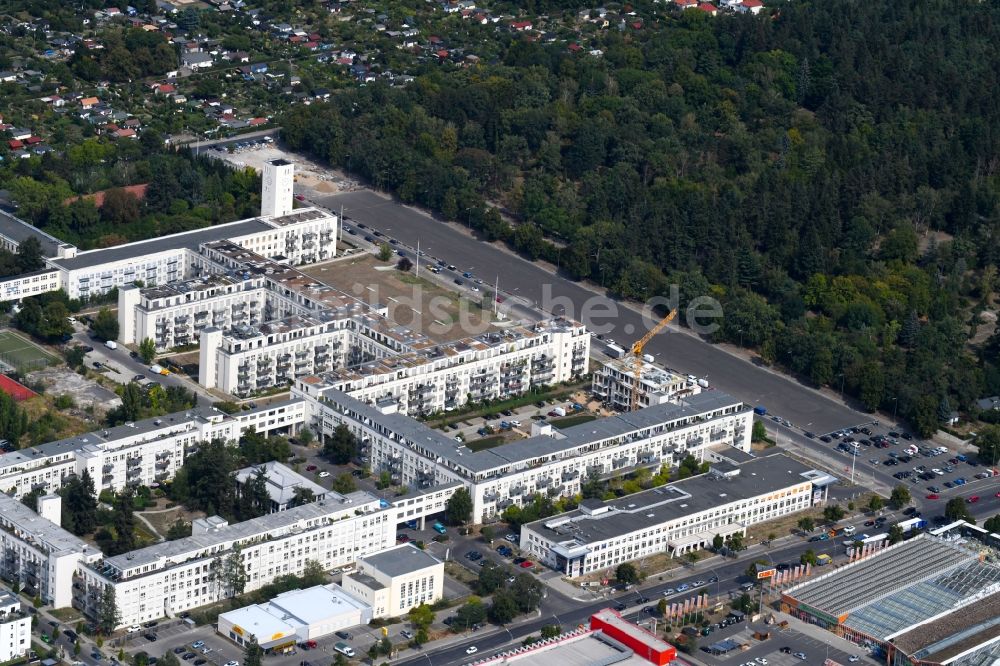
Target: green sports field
(22,354)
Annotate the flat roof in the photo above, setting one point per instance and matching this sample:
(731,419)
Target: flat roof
(43,534)
(442,446)
(256,620)
(899,586)
(180,550)
(672,501)
(400,560)
(282,481)
(633,631)
(945,637)
(185,240)
(578,648)
(315,605)
(19,231)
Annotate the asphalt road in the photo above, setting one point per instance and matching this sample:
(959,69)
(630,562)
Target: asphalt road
(523,279)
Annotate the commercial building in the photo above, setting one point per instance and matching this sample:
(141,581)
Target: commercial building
(15,628)
(614,382)
(929,600)
(552,461)
(174,576)
(395,580)
(610,640)
(293,617)
(285,486)
(677,518)
(38,554)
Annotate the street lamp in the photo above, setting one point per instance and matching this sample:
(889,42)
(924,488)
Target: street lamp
(895,404)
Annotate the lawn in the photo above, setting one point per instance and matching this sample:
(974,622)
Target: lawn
(22,354)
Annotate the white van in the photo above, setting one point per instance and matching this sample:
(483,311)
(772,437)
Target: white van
(344,649)
(849,530)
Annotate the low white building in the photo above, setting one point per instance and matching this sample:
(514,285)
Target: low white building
(15,628)
(283,484)
(677,518)
(174,576)
(396,580)
(614,383)
(293,617)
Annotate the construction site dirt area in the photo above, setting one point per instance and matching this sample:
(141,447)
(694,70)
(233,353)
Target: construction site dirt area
(413,302)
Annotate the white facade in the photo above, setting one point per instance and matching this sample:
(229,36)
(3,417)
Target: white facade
(677,518)
(614,383)
(30,284)
(174,576)
(555,462)
(396,580)
(293,617)
(39,554)
(278,181)
(15,628)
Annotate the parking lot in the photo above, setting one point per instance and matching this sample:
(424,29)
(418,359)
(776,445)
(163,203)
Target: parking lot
(784,648)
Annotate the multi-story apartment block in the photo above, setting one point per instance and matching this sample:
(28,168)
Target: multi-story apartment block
(38,554)
(29,284)
(174,576)
(139,453)
(614,383)
(677,518)
(396,580)
(15,628)
(553,461)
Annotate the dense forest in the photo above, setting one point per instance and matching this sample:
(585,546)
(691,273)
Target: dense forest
(829,171)
(184,191)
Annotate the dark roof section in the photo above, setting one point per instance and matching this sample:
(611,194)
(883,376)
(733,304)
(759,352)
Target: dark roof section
(972,625)
(19,231)
(188,239)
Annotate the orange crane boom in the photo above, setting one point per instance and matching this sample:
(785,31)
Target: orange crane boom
(636,350)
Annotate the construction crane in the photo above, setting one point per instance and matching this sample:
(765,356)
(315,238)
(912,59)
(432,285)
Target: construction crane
(637,348)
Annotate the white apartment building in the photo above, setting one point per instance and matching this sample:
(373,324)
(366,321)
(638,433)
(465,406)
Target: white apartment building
(173,576)
(552,461)
(15,628)
(139,453)
(29,284)
(38,554)
(396,580)
(677,518)
(614,383)
(281,483)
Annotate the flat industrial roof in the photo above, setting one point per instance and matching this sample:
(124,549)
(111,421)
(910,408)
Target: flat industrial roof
(964,629)
(673,501)
(187,239)
(315,605)
(400,560)
(885,581)
(581,648)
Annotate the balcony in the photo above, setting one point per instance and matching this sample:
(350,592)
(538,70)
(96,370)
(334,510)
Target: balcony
(134,461)
(263,362)
(163,455)
(108,467)
(263,381)
(517,490)
(107,478)
(162,476)
(543,482)
(555,491)
(134,472)
(302,353)
(570,476)
(181,319)
(162,464)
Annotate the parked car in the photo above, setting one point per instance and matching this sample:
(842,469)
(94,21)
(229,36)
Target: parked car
(324,474)
(973,499)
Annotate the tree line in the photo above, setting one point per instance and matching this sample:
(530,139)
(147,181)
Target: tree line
(833,190)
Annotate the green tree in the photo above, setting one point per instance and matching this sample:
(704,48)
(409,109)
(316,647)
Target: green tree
(503,608)
(105,325)
(759,431)
(30,499)
(551,631)
(758,565)
(833,513)
(626,573)
(808,557)
(592,487)
(993,524)
(895,534)
(385,252)
(718,542)
(875,503)
(486,532)
(108,614)
(341,447)
(252,654)
(807,524)
(421,617)
(233,574)
(473,611)
(302,496)
(178,530)
(491,578)
(988,444)
(956,509)
(458,509)
(147,350)
(735,542)
(344,484)
(900,497)
(373,652)
(123,521)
